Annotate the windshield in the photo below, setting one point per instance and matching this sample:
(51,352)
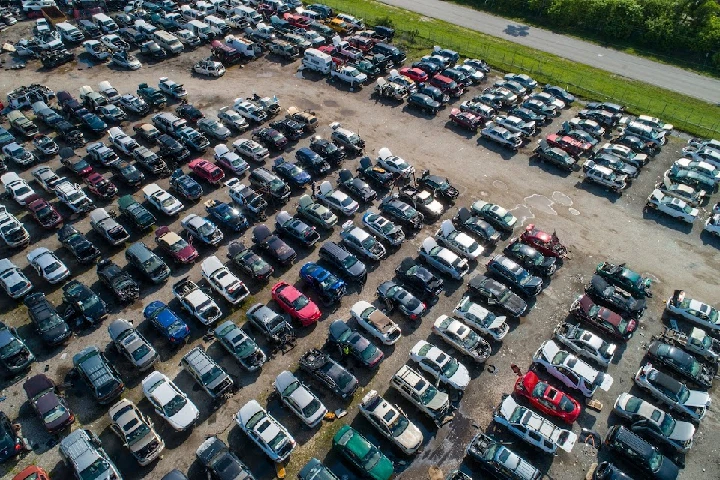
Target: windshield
(13,347)
(399,425)
(300,302)
(137,434)
(242,346)
(211,375)
(140,352)
(450,367)
(176,328)
(174,406)
(96,470)
(349,261)
(55,413)
(311,408)
(206,229)
(277,185)
(179,245)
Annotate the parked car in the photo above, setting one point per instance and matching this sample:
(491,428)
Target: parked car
(169,401)
(132,345)
(100,376)
(48,404)
(366,457)
(259,425)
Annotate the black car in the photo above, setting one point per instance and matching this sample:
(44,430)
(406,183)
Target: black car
(616,164)
(69,133)
(401,212)
(515,275)
(424,103)
(189,112)
(395,296)
(81,248)
(558,157)
(297,229)
(93,123)
(270,138)
(15,356)
(608,471)
(434,93)
(465,220)
(332,154)
(345,262)
(560,93)
(439,186)
(135,213)
(603,292)
(270,184)
(374,174)
(419,279)
(51,327)
(636,144)
(84,302)
(528,115)
(312,162)
(288,127)
(682,363)
(327,371)
(100,375)
(123,286)
(495,294)
(640,454)
(217,459)
(271,324)
(127,173)
(396,55)
(172,151)
(431,68)
(226,215)
(350,342)
(531,259)
(77,165)
(357,187)
(273,245)
(184,185)
(11,443)
(249,262)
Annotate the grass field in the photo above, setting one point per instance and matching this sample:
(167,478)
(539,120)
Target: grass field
(418,34)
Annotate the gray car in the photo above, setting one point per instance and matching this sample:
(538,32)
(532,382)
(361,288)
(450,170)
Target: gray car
(149,264)
(211,377)
(298,398)
(83,452)
(240,345)
(132,345)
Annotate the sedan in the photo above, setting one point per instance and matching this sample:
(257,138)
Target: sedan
(531,259)
(132,345)
(167,322)
(169,401)
(351,343)
(136,431)
(295,303)
(393,295)
(239,344)
(267,433)
(517,277)
(384,228)
(460,243)
(603,318)
(694,311)
(440,365)
(419,279)
(329,288)
(498,216)
(376,322)
(547,399)
(48,265)
(391,422)
(443,259)
(299,399)
(49,405)
(273,245)
(462,338)
(162,200)
(363,454)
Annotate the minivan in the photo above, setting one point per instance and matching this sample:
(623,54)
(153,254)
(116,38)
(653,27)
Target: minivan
(149,264)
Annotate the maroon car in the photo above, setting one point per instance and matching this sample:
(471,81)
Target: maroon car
(545,243)
(466,120)
(100,186)
(571,145)
(43,212)
(176,246)
(447,85)
(603,318)
(48,404)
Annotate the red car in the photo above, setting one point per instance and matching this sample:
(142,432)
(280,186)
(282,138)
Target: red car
(603,318)
(207,171)
(447,85)
(571,145)
(32,473)
(43,212)
(176,246)
(363,44)
(545,243)
(548,399)
(297,21)
(414,74)
(334,52)
(295,303)
(100,186)
(466,120)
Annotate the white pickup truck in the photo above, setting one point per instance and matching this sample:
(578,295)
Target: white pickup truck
(350,75)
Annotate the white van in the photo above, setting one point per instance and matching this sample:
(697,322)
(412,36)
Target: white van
(249,14)
(206,8)
(168,41)
(218,26)
(105,23)
(69,32)
(317,61)
(201,29)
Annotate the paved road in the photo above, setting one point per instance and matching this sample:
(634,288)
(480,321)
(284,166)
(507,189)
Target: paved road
(672,78)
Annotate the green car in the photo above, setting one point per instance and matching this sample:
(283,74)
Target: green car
(625,278)
(366,456)
(140,217)
(152,96)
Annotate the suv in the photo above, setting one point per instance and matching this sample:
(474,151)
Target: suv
(52,328)
(515,275)
(500,461)
(145,260)
(269,183)
(211,377)
(604,177)
(83,451)
(99,374)
(348,264)
(420,392)
(642,455)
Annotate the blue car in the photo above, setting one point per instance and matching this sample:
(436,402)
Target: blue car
(184,185)
(329,288)
(312,162)
(291,173)
(226,215)
(167,322)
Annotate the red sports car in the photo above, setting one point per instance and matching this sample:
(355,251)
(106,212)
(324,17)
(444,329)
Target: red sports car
(414,74)
(100,186)
(295,303)
(548,399)
(180,250)
(207,171)
(603,318)
(545,243)
(43,212)
(571,145)
(466,120)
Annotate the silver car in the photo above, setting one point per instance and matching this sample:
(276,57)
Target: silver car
(298,398)
(132,345)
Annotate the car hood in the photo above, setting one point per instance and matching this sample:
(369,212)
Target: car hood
(515,304)
(698,399)
(667,471)
(683,431)
(185,417)
(461,378)
(411,437)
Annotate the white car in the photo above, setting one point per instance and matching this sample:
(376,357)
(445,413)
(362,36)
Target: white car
(336,200)
(440,365)
(391,422)
(654,122)
(232,119)
(604,177)
(462,338)
(16,187)
(394,164)
(376,323)
(46,178)
(481,319)
(73,196)
(18,154)
(196,302)
(298,398)
(120,140)
(172,88)
(209,68)
(533,428)
(13,233)
(134,104)
(671,206)
(712,225)
(107,227)
(162,200)
(223,281)
(457,241)
(703,168)
(691,404)
(250,149)
(13,280)
(249,110)
(202,229)
(267,433)
(443,259)
(502,136)
(230,160)
(570,370)
(384,228)
(135,431)
(360,241)
(694,311)
(169,401)
(676,434)
(48,265)
(585,344)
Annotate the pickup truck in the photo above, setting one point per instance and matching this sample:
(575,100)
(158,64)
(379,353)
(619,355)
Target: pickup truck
(196,302)
(350,75)
(152,96)
(53,15)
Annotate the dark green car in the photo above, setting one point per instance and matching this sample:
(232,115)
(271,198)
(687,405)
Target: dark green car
(367,67)
(140,217)
(363,454)
(625,278)
(424,103)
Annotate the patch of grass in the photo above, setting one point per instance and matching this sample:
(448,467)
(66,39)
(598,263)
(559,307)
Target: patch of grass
(418,34)
(321,444)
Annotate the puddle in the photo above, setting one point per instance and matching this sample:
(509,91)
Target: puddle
(562,199)
(573,211)
(84,63)
(331,103)
(299,74)
(540,203)
(499,184)
(264,75)
(522,213)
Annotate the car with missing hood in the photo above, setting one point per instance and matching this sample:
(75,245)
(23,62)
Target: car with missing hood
(136,432)
(12,231)
(462,338)
(299,399)
(682,363)
(15,356)
(383,228)
(603,292)
(361,242)
(265,431)
(271,324)
(84,302)
(197,303)
(443,259)
(106,226)
(169,401)
(240,345)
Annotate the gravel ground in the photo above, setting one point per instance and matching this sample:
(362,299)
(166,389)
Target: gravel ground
(595,225)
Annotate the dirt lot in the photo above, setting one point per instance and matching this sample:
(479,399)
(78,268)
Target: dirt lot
(595,225)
